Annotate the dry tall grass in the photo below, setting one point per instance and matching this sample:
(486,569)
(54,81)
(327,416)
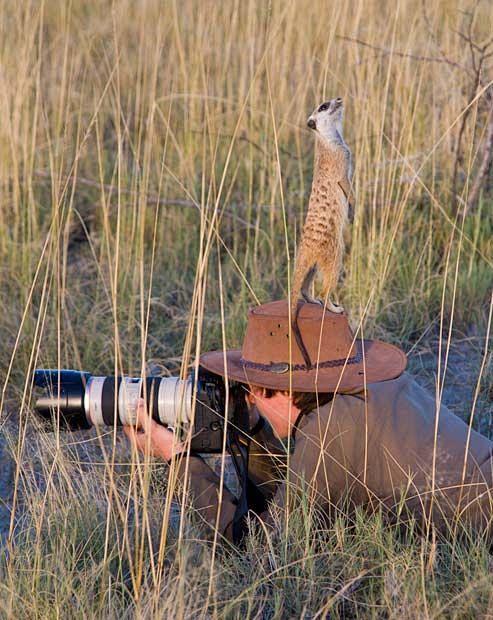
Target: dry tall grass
(154,171)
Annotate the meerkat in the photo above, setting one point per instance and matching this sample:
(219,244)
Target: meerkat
(330,209)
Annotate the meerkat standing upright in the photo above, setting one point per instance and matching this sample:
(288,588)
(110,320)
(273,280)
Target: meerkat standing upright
(330,208)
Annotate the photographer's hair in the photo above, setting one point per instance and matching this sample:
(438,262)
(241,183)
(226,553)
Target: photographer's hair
(306,401)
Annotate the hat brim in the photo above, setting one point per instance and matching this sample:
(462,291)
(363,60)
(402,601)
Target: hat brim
(380,362)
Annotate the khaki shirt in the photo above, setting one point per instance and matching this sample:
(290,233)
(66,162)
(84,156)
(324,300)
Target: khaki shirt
(384,448)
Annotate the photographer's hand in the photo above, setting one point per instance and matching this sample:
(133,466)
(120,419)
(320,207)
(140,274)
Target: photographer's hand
(151,438)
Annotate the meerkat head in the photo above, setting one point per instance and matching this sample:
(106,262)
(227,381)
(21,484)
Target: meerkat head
(327,119)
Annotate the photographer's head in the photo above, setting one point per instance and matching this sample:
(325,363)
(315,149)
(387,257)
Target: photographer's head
(277,407)
(282,408)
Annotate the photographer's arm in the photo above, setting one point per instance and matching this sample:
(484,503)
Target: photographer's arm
(201,482)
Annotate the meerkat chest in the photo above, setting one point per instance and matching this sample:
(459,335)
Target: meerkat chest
(326,197)
(326,217)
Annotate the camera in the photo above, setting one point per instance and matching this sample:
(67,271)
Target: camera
(75,400)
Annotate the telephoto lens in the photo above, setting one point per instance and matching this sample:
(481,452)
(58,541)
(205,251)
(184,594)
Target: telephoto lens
(74,400)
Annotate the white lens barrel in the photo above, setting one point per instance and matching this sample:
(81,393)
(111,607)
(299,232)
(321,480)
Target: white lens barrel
(129,392)
(128,397)
(175,401)
(93,399)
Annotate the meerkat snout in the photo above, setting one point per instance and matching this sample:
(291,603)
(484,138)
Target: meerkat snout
(311,123)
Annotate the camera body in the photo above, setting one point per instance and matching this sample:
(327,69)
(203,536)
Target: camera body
(202,404)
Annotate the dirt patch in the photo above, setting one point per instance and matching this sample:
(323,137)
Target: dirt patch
(461,366)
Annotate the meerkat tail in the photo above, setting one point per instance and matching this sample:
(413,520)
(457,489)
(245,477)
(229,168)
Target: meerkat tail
(298,337)
(303,276)
(295,308)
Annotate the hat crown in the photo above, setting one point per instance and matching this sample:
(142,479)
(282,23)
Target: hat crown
(269,340)
(270,356)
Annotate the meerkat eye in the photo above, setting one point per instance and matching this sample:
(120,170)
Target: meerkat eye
(323,107)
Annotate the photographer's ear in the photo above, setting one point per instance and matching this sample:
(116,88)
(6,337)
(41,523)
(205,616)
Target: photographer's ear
(253,392)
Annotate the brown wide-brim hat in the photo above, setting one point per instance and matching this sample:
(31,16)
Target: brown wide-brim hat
(270,356)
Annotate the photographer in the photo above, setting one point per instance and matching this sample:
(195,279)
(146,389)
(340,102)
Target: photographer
(353,426)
